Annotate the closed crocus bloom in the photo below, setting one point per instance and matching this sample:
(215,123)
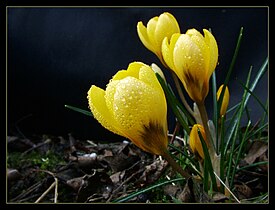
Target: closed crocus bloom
(194,59)
(134,106)
(157,29)
(225,100)
(195,142)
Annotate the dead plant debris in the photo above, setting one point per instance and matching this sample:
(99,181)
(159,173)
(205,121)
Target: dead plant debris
(50,169)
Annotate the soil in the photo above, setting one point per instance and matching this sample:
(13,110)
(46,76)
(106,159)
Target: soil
(56,169)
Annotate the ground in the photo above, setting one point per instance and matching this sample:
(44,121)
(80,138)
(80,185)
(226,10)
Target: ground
(62,169)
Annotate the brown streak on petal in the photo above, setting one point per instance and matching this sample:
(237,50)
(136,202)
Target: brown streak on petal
(154,136)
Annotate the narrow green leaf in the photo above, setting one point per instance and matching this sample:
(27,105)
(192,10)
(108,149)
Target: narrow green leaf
(215,108)
(230,69)
(236,130)
(89,113)
(257,99)
(173,103)
(255,82)
(134,194)
(222,147)
(208,167)
(240,152)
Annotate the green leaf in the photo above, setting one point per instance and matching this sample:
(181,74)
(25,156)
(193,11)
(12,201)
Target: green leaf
(134,194)
(174,104)
(89,113)
(208,167)
(230,70)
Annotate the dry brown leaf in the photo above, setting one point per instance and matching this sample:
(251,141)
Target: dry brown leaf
(186,196)
(256,150)
(243,191)
(153,171)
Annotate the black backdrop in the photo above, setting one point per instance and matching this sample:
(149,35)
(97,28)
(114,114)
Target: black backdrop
(56,53)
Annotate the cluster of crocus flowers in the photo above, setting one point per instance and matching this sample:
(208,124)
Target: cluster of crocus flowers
(192,56)
(134,106)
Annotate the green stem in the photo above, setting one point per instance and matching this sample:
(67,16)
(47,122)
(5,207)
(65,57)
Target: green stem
(175,165)
(176,80)
(204,118)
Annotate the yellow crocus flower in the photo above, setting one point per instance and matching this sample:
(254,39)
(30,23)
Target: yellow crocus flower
(225,100)
(157,29)
(195,142)
(193,57)
(134,106)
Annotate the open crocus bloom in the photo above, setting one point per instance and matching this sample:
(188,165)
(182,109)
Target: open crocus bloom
(157,29)
(225,100)
(195,142)
(193,57)
(134,106)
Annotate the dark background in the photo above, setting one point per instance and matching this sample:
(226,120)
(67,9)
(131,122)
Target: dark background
(55,54)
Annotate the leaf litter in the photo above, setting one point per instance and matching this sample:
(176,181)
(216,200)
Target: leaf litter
(50,169)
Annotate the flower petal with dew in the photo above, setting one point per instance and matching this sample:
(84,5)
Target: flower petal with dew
(156,30)
(194,59)
(134,106)
(167,50)
(195,142)
(225,100)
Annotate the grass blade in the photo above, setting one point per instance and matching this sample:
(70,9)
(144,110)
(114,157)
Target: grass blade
(134,194)
(82,111)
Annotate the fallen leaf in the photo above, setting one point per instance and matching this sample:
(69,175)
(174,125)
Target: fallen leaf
(256,150)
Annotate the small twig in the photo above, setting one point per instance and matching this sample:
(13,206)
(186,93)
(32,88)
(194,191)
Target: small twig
(177,127)
(55,190)
(55,183)
(120,186)
(28,191)
(36,146)
(45,193)
(227,188)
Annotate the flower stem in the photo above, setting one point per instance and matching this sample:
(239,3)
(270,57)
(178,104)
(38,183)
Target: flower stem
(176,80)
(175,165)
(204,119)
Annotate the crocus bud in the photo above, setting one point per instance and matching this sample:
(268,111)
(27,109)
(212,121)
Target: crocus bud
(157,29)
(195,142)
(134,106)
(225,100)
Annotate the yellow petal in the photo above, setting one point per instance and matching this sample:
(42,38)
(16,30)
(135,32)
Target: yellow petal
(147,75)
(225,100)
(167,50)
(142,33)
(136,104)
(133,71)
(203,51)
(97,104)
(213,50)
(167,25)
(151,27)
(188,58)
(140,107)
